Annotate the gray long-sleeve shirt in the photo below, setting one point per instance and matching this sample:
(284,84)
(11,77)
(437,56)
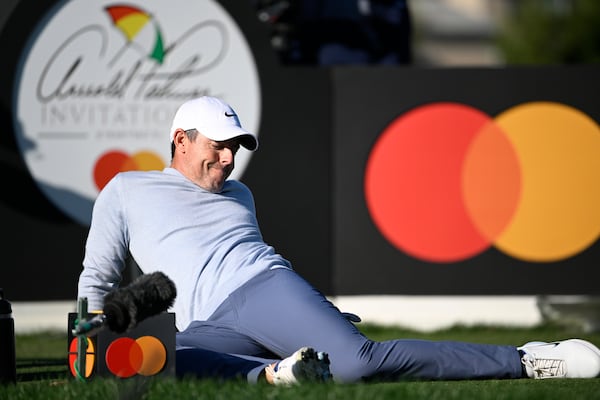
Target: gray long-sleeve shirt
(209,244)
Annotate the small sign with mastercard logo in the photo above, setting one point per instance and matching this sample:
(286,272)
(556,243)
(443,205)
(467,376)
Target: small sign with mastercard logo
(146,350)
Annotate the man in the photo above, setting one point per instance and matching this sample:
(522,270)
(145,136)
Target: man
(237,295)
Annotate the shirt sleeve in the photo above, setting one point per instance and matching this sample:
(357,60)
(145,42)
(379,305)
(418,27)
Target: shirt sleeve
(106,247)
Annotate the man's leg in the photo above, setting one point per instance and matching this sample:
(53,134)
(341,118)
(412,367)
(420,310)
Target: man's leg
(279,311)
(200,363)
(304,365)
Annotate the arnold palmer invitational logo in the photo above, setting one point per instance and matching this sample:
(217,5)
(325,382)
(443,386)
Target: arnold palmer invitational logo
(99,83)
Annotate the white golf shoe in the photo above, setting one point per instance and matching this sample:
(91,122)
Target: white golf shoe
(573,358)
(305,365)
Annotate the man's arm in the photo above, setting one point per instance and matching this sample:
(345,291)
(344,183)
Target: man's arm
(106,247)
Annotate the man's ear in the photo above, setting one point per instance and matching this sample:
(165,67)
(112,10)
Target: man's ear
(179,136)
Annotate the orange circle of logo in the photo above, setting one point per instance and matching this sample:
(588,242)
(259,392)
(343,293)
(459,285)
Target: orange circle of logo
(445,181)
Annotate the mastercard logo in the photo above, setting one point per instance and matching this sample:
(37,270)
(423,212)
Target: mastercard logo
(125,357)
(444,182)
(115,161)
(145,355)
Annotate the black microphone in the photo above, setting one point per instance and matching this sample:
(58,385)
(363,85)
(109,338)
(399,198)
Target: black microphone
(148,295)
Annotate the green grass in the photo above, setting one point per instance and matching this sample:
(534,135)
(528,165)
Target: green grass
(42,374)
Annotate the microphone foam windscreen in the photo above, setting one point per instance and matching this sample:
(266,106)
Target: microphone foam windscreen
(148,295)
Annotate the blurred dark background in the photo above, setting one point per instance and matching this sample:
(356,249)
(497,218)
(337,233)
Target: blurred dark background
(433,32)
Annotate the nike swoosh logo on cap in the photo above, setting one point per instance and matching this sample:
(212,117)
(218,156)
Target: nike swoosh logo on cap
(230,115)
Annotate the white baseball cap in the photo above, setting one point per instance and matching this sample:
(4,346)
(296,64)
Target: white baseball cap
(214,119)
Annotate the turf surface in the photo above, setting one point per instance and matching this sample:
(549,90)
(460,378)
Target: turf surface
(42,373)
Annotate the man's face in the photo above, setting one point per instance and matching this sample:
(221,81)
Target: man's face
(209,163)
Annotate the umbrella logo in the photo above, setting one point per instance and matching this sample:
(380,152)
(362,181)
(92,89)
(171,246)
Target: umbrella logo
(140,30)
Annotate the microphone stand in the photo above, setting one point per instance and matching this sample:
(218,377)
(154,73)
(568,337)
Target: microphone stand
(82,309)
(82,330)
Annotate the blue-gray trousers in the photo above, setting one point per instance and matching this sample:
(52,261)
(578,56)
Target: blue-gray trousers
(201,363)
(277,312)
